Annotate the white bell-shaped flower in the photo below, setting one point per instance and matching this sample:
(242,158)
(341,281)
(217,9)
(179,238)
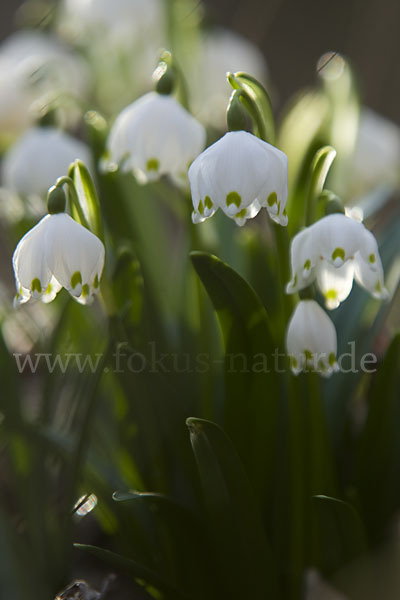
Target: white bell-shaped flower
(333,251)
(239,174)
(155,136)
(36,69)
(58,252)
(311,340)
(38,158)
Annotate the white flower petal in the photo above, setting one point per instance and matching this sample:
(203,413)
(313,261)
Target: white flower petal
(30,263)
(335,283)
(337,238)
(370,277)
(76,256)
(304,257)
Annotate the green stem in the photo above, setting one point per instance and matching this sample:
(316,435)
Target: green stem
(73,196)
(282,251)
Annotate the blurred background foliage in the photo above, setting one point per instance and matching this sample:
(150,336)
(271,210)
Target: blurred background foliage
(196,479)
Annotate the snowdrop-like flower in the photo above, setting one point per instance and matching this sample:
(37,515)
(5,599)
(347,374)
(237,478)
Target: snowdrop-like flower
(38,158)
(155,136)
(333,251)
(239,174)
(58,252)
(311,339)
(35,69)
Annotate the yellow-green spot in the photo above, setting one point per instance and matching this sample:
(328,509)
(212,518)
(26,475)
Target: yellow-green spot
(272,199)
(321,365)
(338,253)
(153,164)
(233,198)
(76,279)
(36,285)
(96,281)
(307,264)
(293,362)
(372,258)
(241,214)
(201,208)
(208,202)
(332,359)
(331,295)
(49,289)
(85,290)
(308,355)
(378,287)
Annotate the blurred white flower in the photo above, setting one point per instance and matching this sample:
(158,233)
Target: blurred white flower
(34,162)
(239,174)
(333,251)
(36,70)
(220,51)
(118,22)
(122,41)
(377,153)
(155,136)
(311,339)
(58,252)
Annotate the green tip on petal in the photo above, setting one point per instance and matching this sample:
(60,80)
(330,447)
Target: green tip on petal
(338,253)
(372,258)
(233,198)
(331,294)
(272,199)
(308,355)
(85,290)
(332,359)
(153,164)
(208,203)
(96,282)
(36,285)
(241,214)
(76,279)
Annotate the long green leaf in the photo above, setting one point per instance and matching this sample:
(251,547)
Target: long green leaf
(134,569)
(378,450)
(243,554)
(251,365)
(189,557)
(340,533)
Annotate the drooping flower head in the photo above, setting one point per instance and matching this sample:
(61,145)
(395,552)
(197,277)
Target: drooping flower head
(36,69)
(333,251)
(38,157)
(58,252)
(311,340)
(155,136)
(239,174)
